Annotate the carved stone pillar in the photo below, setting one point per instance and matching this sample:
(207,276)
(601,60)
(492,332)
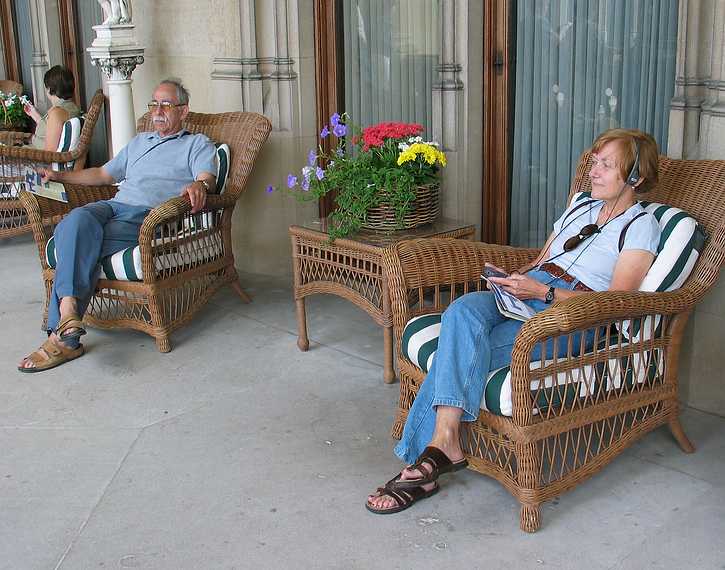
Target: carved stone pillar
(697,104)
(117,53)
(264,79)
(712,118)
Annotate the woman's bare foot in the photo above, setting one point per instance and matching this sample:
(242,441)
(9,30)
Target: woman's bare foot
(383,500)
(445,438)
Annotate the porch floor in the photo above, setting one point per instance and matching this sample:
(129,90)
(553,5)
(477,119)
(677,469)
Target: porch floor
(236,450)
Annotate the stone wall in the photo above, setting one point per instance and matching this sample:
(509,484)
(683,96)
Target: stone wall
(697,131)
(259,56)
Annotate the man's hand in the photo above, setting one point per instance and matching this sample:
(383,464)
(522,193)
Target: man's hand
(522,286)
(197,195)
(47,174)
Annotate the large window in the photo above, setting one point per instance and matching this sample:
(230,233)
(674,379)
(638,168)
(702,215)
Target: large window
(582,67)
(390,56)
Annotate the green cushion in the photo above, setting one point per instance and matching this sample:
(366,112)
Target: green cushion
(124,265)
(70,136)
(205,220)
(420,341)
(681,242)
(224,156)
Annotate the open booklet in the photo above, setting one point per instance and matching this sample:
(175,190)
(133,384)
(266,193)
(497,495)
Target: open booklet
(509,305)
(34,184)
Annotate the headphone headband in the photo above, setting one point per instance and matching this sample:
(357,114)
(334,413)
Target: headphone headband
(633,176)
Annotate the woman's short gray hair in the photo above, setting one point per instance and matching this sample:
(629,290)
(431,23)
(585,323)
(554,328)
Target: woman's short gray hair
(182,94)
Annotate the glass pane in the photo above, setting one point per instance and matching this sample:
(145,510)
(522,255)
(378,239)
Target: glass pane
(391,51)
(582,66)
(24,42)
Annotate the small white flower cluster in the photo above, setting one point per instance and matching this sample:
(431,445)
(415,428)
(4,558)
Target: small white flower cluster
(10,98)
(403,146)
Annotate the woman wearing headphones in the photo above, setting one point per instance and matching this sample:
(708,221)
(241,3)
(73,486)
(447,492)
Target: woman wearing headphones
(605,243)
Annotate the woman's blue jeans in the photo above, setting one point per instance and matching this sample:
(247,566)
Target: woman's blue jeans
(475,339)
(82,238)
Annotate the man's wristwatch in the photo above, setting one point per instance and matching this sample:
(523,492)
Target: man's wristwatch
(205,184)
(549,296)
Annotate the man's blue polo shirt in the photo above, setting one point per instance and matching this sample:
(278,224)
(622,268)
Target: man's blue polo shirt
(153,169)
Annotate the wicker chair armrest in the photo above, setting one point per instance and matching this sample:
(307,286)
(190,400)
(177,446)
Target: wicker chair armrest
(175,213)
(36,155)
(577,314)
(590,309)
(429,265)
(44,212)
(174,210)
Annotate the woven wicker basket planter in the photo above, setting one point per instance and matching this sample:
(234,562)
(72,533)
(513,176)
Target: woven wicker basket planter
(425,209)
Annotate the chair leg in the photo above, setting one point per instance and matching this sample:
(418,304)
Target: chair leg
(530,519)
(528,481)
(163,344)
(239,291)
(679,435)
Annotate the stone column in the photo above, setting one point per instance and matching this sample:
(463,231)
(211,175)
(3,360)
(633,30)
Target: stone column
(712,118)
(699,39)
(117,53)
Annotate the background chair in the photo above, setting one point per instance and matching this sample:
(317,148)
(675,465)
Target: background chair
(547,425)
(71,154)
(182,259)
(10,86)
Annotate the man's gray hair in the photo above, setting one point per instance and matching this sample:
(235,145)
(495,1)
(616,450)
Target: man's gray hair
(182,94)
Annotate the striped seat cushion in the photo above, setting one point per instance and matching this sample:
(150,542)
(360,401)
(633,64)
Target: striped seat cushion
(681,242)
(205,220)
(125,265)
(420,342)
(69,139)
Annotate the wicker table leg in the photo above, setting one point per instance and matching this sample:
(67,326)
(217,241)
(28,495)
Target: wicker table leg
(388,370)
(303,343)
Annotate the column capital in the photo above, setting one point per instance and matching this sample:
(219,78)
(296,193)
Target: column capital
(116,51)
(117,67)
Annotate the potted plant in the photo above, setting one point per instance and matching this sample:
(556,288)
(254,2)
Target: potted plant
(389,181)
(12,116)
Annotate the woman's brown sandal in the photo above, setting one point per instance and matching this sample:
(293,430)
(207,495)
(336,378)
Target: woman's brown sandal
(404,498)
(57,354)
(72,321)
(432,463)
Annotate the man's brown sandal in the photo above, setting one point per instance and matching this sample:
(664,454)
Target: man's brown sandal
(57,355)
(403,497)
(432,463)
(72,321)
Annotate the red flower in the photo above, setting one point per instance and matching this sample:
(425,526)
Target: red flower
(376,135)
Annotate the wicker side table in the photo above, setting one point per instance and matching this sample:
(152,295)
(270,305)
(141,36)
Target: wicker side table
(351,268)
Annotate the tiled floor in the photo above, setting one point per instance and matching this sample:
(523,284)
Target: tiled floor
(238,451)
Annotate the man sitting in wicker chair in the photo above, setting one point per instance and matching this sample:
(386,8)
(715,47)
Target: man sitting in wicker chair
(152,168)
(607,242)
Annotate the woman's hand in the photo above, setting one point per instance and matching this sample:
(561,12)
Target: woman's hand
(522,286)
(32,112)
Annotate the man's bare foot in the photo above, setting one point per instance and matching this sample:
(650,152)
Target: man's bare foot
(28,363)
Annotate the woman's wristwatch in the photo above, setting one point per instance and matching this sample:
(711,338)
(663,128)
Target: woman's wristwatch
(549,298)
(205,184)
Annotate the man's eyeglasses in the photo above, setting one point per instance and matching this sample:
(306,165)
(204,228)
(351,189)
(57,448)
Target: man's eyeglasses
(587,231)
(165,106)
